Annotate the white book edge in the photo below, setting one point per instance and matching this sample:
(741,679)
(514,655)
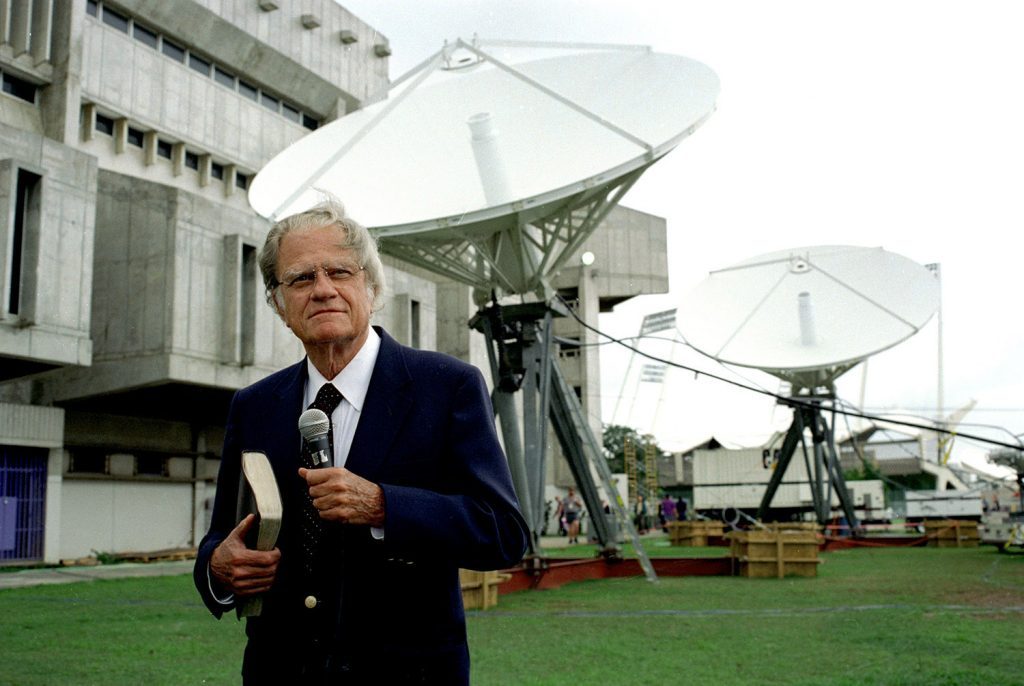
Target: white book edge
(262,486)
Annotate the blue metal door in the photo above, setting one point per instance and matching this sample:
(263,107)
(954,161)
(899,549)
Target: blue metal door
(22,503)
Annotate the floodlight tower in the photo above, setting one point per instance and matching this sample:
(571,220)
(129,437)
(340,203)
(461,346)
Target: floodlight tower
(491,163)
(807,316)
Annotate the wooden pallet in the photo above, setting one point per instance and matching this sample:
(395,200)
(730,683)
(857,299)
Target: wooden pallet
(952,533)
(694,532)
(779,553)
(480,589)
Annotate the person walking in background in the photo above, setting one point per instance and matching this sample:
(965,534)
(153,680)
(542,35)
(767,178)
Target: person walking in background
(572,508)
(668,509)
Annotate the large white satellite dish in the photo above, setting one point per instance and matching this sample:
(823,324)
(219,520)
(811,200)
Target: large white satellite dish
(492,167)
(809,314)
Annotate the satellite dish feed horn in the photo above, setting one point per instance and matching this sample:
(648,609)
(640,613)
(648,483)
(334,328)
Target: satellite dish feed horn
(487,153)
(807,336)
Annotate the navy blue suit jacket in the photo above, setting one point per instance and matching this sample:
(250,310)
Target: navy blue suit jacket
(426,435)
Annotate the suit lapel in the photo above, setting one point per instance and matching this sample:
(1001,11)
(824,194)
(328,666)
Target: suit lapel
(282,420)
(388,401)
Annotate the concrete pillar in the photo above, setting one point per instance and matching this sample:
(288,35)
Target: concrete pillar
(42,23)
(54,497)
(204,170)
(21,26)
(230,175)
(120,135)
(60,101)
(149,140)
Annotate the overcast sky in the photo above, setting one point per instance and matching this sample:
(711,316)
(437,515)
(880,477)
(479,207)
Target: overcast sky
(892,124)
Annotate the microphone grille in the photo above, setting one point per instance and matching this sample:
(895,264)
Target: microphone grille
(313,423)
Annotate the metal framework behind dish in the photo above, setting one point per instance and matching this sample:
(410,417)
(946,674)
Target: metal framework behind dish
(521,354)
(536,242)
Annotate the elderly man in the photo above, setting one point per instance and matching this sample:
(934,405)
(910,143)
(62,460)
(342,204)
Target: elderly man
(363,586)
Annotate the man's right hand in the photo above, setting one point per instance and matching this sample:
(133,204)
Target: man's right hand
(239,569)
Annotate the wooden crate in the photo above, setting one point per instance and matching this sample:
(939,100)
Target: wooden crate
(952,533)
(779,553)
(480,589)
(694,532)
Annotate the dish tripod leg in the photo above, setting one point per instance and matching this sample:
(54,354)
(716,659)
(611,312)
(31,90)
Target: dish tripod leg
(522,358)
(826,473)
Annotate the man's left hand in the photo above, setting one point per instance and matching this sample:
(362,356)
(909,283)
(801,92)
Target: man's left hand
(344,497)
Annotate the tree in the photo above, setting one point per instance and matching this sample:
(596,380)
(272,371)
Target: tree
(614,439)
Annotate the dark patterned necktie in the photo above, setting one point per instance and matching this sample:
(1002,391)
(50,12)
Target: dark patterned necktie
(327,399)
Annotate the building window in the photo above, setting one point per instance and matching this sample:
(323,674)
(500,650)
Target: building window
(250,298)
(27,208)
(569,348)
(224,78)
(104,124)
(164,149)
(150,465)
(115,19)
(309,122)
(19,88)
(414,323)
(173,50)
(199,64)
(290,113)
(88,461)
(191,160)
(242,181)
(269,101)
(92,8)
(248,90)
(217,170)
(135,137)
(144,35)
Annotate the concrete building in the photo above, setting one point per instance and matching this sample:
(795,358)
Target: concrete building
(132,307)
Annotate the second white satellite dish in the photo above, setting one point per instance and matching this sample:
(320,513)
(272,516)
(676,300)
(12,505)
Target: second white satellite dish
(809,309)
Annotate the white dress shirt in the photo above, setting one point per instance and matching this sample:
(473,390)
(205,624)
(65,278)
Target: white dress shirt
(353,381)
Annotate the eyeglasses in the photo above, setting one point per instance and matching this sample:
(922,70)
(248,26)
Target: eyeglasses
(337,274)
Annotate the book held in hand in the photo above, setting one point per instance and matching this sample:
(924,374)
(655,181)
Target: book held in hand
(258,493)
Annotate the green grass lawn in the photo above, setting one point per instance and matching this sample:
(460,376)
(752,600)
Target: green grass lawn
(872,616)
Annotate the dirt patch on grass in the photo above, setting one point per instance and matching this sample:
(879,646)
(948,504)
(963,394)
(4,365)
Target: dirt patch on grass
(989,598)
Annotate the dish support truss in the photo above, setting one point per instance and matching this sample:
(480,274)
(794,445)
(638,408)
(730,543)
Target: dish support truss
(522,250)
(522,357)
(826,471)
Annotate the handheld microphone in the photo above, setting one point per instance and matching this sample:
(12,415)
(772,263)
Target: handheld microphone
(314,425)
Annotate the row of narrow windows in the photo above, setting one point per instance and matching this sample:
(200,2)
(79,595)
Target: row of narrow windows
(199,63)
(96,461)
(136,137)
